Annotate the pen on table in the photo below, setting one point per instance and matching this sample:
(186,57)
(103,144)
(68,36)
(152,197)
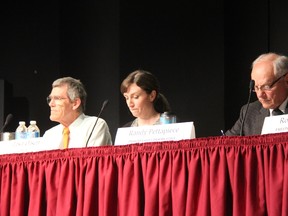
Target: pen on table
(222,132)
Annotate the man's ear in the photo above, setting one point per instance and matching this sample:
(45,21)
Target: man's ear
(286,80)
(286,77)
(76,103)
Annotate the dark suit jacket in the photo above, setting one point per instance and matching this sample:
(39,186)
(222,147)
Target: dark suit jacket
(254,120)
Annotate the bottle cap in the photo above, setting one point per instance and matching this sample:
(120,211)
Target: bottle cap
(32,122)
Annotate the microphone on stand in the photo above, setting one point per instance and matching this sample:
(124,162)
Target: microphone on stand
(102,108)
(251,86)
(7,121)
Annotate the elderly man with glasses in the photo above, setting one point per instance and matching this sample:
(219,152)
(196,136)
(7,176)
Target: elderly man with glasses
(269,72)
(67,102)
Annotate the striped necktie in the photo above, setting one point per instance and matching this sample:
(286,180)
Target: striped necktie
(66,133)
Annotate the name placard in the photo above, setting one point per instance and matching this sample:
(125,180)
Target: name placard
(155,133)
(25,145)
(275,124)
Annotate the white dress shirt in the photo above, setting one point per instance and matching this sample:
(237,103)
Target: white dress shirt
(80,131)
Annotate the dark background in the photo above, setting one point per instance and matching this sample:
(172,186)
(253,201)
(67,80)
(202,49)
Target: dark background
(201,52)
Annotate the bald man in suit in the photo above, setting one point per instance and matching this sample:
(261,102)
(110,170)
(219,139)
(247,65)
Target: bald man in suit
(269,71)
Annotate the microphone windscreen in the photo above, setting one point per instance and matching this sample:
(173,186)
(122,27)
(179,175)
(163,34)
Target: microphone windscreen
(8,118)
(251,85)
(105,103)
(7,121)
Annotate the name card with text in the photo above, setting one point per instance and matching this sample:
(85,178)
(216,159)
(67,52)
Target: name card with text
(275,124)
(25,145)
(155,133)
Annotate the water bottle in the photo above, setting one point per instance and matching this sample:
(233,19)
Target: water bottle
(21,131)
(167,118)
(33,130)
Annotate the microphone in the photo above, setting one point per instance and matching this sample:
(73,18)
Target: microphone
(102,108)
(7,121)
(251,86)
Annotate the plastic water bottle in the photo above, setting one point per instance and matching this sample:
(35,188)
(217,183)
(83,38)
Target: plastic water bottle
(33,130)
(167,118)
(21,131)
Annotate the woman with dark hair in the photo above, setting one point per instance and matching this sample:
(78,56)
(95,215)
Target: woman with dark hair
(141,92)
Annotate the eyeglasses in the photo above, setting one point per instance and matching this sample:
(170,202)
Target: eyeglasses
(55,98)
(267,87)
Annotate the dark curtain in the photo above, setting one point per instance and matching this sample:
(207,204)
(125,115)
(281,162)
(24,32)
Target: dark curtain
(204,176)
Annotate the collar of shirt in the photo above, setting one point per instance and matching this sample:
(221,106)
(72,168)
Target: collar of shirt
(135,122)
(282,107)
(76,122)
